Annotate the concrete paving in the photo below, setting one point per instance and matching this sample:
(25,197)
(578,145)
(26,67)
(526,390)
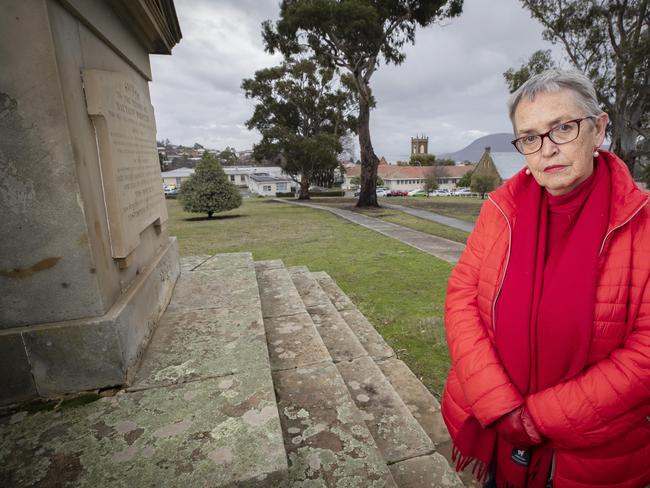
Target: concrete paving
(439,247)
(434,217)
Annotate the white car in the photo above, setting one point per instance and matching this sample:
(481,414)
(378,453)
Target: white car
(383,192)
(462,192)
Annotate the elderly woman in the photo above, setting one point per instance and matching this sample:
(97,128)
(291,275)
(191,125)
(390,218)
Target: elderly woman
(548,309)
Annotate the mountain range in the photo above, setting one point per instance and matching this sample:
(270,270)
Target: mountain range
(497,142)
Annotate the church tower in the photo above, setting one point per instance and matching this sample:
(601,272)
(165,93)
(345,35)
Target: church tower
(419,145)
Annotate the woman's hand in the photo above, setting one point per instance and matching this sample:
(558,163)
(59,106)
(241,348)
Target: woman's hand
(518,428)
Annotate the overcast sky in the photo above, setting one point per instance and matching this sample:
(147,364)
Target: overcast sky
(450,87)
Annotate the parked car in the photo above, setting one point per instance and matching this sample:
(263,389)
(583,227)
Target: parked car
(417,193)
(442,192)
(170,191)
(462,192)
(383,192)
(398,193)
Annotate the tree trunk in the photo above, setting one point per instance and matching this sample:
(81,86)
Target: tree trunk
(209,215)
(623,141)
(303,193)
(369,160)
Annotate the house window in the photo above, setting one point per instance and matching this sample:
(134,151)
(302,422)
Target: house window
(232,178)
(242,178)
(266,188)
(178,182)
(281,187)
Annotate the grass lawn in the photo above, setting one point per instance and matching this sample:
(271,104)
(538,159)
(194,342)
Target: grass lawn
(400,289)
(462,208)
(398,217)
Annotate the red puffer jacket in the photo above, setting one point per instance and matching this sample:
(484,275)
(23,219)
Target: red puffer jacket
(598,422)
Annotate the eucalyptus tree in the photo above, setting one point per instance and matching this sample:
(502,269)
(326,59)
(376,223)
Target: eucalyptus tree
(608,40)
(354,36)
(302,112)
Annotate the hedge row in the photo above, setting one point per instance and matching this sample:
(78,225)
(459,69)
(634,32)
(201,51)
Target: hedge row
(335,193)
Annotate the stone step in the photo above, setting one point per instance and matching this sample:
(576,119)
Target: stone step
(371,340)
(326,440)
(397,434)
(429,470)
(201,412)
(395,430)
(340,340)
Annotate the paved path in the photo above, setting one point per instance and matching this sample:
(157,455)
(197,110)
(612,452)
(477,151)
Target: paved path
(439,247)
(441,219)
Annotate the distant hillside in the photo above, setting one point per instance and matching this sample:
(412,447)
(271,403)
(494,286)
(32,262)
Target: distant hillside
(473,152)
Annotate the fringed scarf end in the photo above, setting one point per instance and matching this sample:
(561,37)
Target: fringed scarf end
(480,469)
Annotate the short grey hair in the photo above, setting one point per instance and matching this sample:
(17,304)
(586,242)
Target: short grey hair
(553,80)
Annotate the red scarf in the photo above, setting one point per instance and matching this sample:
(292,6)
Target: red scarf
(544,315)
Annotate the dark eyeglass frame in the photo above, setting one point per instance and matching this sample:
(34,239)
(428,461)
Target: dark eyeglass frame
(548,134)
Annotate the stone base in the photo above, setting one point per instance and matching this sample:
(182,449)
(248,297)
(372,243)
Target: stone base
(51,359)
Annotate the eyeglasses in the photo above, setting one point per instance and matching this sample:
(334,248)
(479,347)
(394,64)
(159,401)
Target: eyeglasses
(560,134)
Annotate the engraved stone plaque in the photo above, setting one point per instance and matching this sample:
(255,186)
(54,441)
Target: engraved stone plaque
(126,137)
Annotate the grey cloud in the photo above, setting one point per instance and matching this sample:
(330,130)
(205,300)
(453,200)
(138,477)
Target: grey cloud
(450,87)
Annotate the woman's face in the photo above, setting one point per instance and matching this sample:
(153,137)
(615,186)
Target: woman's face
(559,167)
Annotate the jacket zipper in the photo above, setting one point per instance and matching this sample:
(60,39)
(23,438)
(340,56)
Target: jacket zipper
(549,482)
(621,225)
(505,269)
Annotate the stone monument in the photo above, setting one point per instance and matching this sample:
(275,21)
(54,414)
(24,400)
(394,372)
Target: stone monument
(86,264)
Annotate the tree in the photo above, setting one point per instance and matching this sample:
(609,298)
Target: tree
(227,157)
(539,61)
(465,180)
(430,183)
(303,112)
(483,184)
(208,189)
(610,42)
(422,160)
(354,35)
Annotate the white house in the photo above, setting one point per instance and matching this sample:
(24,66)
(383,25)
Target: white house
(238,175)
(267,185)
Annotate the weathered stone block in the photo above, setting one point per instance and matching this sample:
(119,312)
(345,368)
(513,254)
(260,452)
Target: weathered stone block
(278,293)
(16,380)
(221,432)
(425,472)
(421,403)
(337,336)
(294,342)
(394,429)
(58,355)
(193,344)
(368,336)
(326,440)
(216,288)
(338,298)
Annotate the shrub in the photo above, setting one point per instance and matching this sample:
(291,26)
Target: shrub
(208,189)
(285,194)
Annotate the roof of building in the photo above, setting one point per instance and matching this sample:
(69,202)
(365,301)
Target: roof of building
(252,169)
(507,163)
(265,178)
(178,173)
(392,172)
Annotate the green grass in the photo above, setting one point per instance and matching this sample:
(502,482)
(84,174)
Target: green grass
(400,289)
(458,207)
(400,218)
